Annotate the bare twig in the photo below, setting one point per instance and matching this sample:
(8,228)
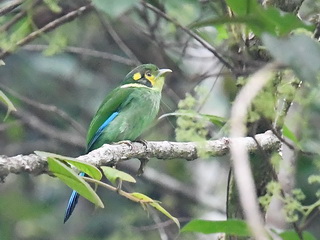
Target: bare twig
(189,32)
(114,189)
(86,52)
(112,154)
(47,130)
(50,26)
(239,153)
(48,108)
(10,6)
(12,21)
(165,181)
(107,25)
(160,228)
(162,224)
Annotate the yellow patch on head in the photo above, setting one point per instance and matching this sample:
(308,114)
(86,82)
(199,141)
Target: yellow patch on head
(137,76)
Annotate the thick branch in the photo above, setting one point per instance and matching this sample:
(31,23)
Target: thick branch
(112,154)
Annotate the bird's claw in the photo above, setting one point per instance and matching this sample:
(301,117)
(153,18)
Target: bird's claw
(143,163)
(127,142)
(143,142)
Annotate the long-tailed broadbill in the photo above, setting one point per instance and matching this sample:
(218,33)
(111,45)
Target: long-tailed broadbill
(125,112)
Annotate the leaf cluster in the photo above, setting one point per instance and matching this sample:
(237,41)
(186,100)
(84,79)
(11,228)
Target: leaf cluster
(60,166)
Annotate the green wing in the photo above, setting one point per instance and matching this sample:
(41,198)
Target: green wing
(113,103)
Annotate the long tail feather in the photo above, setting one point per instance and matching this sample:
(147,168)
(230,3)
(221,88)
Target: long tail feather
(73,200)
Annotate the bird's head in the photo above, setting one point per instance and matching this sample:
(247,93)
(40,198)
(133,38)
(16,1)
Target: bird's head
(146,75)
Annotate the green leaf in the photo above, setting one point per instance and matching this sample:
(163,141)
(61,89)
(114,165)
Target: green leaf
(57,44)
(222,33)
(156,205)
(73,180)
(6,100)
(260,20)
(292,235)
(87,168)
(113,174)
(270,19)
(290,135)
(230,227)
(216,120)
(243,7)
(53,6)
(300,52)
(190,8)
(114,8)
(283,22)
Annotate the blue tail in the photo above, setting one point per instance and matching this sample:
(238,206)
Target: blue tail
(75,196)
(73,200)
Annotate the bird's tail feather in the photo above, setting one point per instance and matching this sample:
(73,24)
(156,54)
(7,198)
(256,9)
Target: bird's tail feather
(73,200)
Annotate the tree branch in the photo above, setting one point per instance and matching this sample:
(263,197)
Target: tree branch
(112,154)
(169,183)
(34,122)
(50,26)
(10,6)
(85,52)
(109,28)
(190,33)
(48,108)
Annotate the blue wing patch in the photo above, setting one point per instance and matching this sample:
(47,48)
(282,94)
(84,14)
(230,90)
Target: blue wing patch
(100,130)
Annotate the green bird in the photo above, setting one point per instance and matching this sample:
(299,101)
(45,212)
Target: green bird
(125,112)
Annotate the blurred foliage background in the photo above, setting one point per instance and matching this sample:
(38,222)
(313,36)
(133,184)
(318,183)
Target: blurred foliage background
(58,79)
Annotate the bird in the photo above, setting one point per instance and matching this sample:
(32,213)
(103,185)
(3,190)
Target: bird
(125,113)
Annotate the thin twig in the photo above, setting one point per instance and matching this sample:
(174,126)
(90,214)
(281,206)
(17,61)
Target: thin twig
(48,108)
(171,184)
(283,140)
(12,21)
(47,130)
(160,228)
(310,219)
(205,99)
(114,189)
(107,25)
(86,52)
(10,6)
(291,146)
(18,16)
(195,36)
(162,224)
(50,26)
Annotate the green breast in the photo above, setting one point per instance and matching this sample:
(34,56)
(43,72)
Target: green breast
(133,118)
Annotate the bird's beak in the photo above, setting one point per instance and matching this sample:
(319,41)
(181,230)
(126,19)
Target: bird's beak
(163,71)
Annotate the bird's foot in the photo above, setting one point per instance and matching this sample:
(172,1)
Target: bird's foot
(143,142)
(127,142)
(143,163)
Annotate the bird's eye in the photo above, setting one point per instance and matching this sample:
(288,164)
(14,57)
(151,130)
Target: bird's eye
(150,77)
